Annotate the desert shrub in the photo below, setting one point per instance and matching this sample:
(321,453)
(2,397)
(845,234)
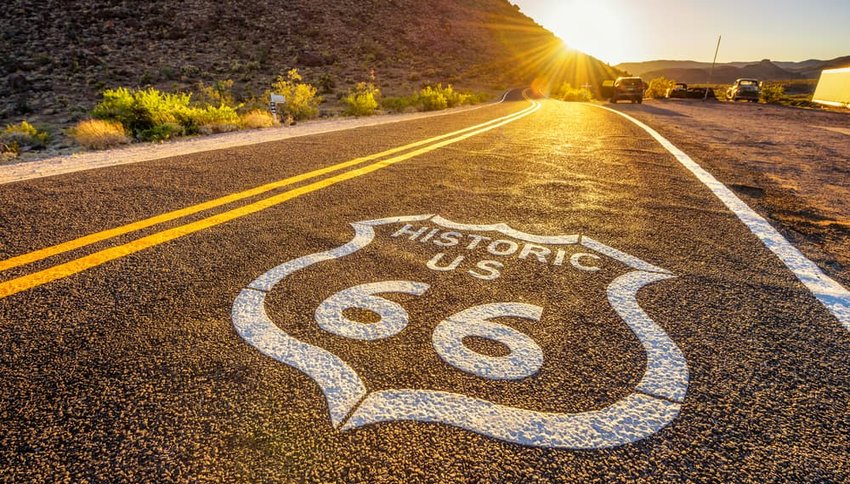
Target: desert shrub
(219,93)
(658,87)
(566,92)
(162,132)
(117,105)
(257,119)
(97,134)
(152,115)
(212,119)
(432,99)
(362,100)
(148,114)
(17,138)
(301,99)
(403,104)
(772,93)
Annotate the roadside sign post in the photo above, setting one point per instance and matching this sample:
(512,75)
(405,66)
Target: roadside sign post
(711,72)
(274,100)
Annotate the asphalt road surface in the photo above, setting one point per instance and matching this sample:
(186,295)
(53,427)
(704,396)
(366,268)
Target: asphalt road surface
(533,290)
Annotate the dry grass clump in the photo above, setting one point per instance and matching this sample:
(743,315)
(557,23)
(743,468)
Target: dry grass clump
(97,134)
(257,119)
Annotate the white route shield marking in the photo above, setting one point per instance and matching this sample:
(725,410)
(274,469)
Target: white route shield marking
(654,403)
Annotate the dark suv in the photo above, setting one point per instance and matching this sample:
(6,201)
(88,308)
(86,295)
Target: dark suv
(630,88)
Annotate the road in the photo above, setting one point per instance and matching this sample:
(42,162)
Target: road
(533,290)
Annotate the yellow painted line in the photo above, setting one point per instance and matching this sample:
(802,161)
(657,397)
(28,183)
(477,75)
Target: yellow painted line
(60,271)
(93,238)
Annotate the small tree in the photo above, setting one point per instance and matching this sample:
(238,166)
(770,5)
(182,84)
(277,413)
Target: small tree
(301,99)
(362,100)
(658,87)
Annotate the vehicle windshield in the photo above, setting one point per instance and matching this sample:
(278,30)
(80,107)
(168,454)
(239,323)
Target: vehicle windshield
(748,83)
(630,82)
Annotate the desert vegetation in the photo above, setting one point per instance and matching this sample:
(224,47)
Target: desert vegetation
(363,100)
(20,137)
(566,92)
(302,100)
(772,92)
(658,87)
(433,98)
(98,134)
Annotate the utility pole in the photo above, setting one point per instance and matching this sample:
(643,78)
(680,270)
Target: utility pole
(711,72)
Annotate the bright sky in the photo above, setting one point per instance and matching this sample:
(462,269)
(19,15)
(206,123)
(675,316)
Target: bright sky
(637,30)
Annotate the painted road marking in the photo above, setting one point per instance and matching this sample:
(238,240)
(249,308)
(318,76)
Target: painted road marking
(524,358)
(86,240)
(14,286)
(830,293)
(655,402)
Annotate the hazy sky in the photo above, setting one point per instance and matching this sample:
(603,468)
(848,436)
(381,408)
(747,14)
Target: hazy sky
(635,30)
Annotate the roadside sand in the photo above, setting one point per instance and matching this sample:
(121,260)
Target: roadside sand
(790,165)
(135,153)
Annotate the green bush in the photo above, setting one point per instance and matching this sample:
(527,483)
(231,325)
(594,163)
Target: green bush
(362,100)
(213,119)
(566,92)
(219,93)
(658,87)
(301,99)
(772,93)
(16,138)
(404,104)
(150,115)
(433,98)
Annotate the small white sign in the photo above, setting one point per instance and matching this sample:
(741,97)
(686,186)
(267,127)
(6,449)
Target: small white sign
(278,98)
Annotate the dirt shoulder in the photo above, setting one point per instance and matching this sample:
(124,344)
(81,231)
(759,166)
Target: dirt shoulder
(790,165)
(87,160)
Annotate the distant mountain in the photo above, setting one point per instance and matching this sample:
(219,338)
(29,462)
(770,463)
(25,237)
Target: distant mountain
(698,72)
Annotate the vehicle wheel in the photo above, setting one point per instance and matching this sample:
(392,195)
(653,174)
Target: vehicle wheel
(640,101)
(613,100)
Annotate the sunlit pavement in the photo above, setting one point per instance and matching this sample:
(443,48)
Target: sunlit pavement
(549,296)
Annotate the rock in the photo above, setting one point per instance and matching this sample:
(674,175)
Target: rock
(310,59)
(18,82)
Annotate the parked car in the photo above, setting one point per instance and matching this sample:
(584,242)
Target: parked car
(679,91)
(631,88)
(746,89)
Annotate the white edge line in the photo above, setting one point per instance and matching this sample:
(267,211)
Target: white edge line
(829,292)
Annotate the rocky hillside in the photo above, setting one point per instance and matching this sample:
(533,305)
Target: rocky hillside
(56,56)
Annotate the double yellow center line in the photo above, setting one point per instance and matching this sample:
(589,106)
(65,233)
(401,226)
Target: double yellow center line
(13,286)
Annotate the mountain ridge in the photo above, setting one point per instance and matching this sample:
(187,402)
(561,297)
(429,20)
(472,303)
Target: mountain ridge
(698,72)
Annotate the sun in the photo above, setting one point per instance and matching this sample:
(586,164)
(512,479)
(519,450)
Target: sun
(593,27)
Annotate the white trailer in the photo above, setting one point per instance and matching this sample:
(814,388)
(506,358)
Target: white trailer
(833,88)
